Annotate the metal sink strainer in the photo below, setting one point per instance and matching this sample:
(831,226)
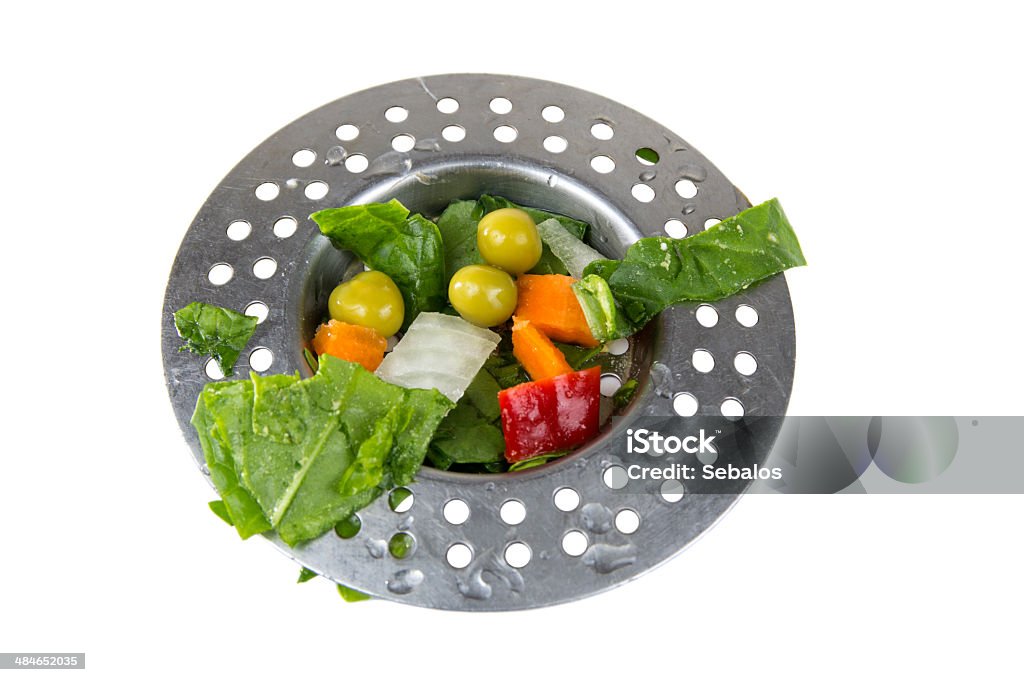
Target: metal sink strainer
(487,542)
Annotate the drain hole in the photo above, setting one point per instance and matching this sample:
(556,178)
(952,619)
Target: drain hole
(518,554)
(501,105)
(346,132)
(574,543)
(304,158)
(264,268)
(220,274)
(453,133)
(239,230)
(400,500)
(447,105)
(627,521)
(356,163)
(617,347)
(746,315)
(285,227)
(566,499)
(643,193)
(267,191)
(732,409)
(672,490)
(316,190)
(257,309)
(647,156)
(711,222)
(684,404)
(213,370)
(610,383)
(401,545)
(403,143)
(396,114)
(686,189)
(459,555)
(555,144)
(505,134)
(552,114)
(456,512)
(674,228)
(602,131)
(261,359)
(745,363)
(707,316)
(348,528)
(615,477)
(602,164)
(513,512)
(703,361)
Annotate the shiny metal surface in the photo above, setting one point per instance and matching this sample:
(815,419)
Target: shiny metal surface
(426,177)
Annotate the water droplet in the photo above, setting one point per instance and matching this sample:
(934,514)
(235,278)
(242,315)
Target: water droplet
(689,208)
(291,183)
(335,156)
(376,548)
(426,178)
(552,180)
(390,163)
(597,518)
(473,585)
(429,144)
(647,176)
(205,469)
(405,581)
(607,558)
(406,522)
(662,377)
(489,487)
(693,172)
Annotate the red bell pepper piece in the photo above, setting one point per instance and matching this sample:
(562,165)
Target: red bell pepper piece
(550,415)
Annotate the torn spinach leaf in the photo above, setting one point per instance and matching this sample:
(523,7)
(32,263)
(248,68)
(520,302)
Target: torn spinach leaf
(305,575)
(407,248)
(218,332)
(300,456)
(658,272)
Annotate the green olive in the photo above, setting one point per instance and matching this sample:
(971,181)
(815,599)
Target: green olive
(483,295)
(508,239)
(370,299)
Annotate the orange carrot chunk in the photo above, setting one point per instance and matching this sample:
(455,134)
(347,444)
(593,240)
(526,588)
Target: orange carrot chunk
(351,342)
(550,304)
(541,358)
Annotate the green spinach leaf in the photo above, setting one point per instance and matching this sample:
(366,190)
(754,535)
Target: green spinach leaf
(218,332)
(660,271)
(407,248)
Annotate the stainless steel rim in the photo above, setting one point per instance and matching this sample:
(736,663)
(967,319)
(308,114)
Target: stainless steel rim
(427,141)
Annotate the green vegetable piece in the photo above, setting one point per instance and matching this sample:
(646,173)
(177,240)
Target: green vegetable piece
(536,460)
(482,393)
(625,393)
(220,509)
(350,595)
(721,261)
(305,575)
(407,248)
(311,360)
(579,357)
(218,332)
(604,317)
(349,527)
(368,469)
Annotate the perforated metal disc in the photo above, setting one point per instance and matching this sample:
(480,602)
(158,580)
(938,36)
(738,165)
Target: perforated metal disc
(426,142)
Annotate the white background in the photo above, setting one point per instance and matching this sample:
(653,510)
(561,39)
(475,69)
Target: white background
(891,133)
